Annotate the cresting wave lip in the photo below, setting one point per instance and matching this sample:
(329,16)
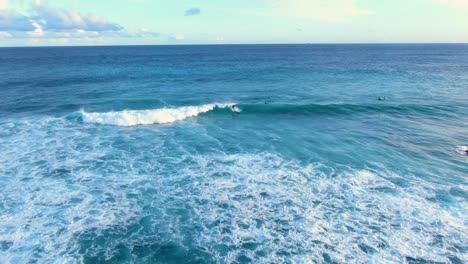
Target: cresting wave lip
(148,117)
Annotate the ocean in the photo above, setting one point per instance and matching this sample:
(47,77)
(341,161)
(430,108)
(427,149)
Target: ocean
(134,154)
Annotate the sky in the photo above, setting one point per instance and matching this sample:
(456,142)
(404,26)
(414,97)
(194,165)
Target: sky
(147,22)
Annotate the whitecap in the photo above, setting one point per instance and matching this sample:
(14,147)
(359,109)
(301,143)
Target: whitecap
(148,117)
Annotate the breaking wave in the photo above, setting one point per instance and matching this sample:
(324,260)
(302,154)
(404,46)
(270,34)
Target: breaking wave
(170,115)
(148,117)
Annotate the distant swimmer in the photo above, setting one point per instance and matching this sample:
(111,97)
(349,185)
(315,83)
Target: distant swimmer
(383,98)
(235,108)
(463,150)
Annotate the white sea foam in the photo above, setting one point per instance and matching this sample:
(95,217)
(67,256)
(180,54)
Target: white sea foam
(302,214)
(148,117)
(71,193)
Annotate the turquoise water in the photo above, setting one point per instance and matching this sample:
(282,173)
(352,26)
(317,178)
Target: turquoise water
(134,155)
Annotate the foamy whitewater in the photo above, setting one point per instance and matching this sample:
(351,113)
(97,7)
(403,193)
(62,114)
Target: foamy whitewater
(308,167)
(148,117)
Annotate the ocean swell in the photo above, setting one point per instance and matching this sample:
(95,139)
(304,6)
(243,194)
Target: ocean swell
(170,115)
(351,109)
(148,117)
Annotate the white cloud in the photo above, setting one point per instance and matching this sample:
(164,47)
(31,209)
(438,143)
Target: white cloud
(13,21)
(37,32)
(61,19)
(4,34)
(144,32)
(79,33)
(56,25)
(60,41)
(33,42)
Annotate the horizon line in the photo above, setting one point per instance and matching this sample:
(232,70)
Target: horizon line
(240,44)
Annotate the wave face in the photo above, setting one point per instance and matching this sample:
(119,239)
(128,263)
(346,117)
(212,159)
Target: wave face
(348,109)
(148,117)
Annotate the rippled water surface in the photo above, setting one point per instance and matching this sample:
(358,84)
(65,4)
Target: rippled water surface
(136,154)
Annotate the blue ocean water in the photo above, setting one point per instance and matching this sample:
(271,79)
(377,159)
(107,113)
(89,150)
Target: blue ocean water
(134,155)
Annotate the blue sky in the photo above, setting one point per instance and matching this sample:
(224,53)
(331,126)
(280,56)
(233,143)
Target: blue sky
(133,22)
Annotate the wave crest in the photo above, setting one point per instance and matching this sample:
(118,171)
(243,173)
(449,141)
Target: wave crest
(148,117)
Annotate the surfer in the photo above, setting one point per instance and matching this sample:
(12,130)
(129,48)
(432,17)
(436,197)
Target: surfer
(235,108)
(383,98)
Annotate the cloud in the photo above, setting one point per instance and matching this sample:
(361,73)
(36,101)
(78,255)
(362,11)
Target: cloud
(44,18)
(80,36)
(13,21)
(37,32)
(74,34)
(140,33)
(144,32)
(4,34)
(46,25)
(60,19)
(192,12)
(175,37)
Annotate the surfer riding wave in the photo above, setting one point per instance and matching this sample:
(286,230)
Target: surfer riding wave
(234,108)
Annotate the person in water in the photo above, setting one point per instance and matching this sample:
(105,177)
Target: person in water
(383,98)
(235,108)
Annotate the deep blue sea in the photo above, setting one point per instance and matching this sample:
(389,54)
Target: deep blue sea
(135,154)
